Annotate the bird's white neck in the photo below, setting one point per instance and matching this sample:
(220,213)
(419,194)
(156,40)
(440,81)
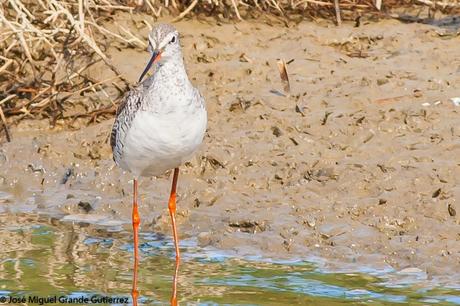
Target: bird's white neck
(170,72)
(169,85)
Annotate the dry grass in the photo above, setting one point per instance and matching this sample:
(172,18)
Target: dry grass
(46,46)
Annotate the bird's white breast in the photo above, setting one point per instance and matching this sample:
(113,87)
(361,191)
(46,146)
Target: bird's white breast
(157,142)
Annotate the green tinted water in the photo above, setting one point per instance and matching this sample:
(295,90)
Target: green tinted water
(46,258)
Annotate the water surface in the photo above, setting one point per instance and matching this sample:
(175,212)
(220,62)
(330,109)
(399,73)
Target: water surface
(44,257)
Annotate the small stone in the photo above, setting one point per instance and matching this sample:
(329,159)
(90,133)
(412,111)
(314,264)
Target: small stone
(94,153)
(204,239)
(381,82)
(410,270)
(2,158)
(85,206)
(436,193)
(68,173)
(451,210)
(277,131)
(418,93)
(200,46)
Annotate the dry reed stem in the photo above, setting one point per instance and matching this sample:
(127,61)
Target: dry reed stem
(7,99)
(338,17)
(88,39)
(5,126)
(187,10)
(93,85)
(235,7)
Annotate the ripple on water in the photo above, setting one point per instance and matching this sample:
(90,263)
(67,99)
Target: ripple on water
(84,260)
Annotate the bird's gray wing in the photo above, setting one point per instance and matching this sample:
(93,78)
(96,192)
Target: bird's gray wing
(126,111)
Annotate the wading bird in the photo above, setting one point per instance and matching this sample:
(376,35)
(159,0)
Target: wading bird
(159,124)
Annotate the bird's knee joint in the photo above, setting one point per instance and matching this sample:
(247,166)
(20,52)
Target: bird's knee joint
(172,204)
(136,221)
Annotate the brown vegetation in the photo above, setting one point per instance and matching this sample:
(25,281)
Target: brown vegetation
(47,46)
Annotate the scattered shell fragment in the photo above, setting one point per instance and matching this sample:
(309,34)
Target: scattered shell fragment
(455,101)
(284,75)
(248,226)
(299,110)
(239,106)
(245,59)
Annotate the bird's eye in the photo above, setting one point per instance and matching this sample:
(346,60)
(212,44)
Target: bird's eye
(173,40)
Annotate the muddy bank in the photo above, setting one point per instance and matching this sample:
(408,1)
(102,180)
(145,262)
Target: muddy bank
(359,165)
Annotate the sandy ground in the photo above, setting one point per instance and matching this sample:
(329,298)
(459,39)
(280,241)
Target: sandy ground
(359,165)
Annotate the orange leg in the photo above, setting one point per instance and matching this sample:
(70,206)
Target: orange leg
(136,221)
(172,213)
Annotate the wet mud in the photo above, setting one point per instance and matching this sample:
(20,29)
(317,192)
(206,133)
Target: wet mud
(358,165)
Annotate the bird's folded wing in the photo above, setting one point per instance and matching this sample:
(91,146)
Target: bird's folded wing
(126,111)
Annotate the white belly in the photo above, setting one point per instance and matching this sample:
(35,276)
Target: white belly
(156,143)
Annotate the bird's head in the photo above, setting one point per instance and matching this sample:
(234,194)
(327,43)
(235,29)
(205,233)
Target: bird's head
(163,43)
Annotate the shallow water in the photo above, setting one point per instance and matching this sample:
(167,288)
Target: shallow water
(44,257)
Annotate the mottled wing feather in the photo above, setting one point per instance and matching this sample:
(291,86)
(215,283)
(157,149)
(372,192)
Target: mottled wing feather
(126,111)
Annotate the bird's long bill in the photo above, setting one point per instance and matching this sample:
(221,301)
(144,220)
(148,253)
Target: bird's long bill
(155,57)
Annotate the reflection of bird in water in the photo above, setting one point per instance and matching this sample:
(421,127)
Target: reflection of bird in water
(159,123)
